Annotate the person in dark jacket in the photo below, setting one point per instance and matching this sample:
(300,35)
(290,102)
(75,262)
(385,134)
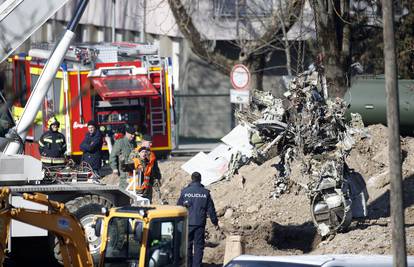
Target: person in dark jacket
(91,147)
(198,201)
(52,145)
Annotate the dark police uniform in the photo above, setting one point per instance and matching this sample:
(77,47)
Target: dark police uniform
(52,147)
(198,201)
(91,147)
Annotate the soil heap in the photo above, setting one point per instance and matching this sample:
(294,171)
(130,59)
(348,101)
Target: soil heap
(283,226)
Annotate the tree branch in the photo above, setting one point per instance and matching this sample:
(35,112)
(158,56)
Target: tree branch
(197,44)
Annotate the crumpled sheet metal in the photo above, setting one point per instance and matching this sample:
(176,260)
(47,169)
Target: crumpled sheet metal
(308,132)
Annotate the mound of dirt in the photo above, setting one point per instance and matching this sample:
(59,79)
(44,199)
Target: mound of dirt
(282,226)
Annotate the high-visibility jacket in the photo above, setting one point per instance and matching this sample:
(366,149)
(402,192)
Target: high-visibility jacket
(152,163)
(150,169)
(142,165)
(52,147)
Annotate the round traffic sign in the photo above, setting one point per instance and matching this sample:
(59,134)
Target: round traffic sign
(240,77)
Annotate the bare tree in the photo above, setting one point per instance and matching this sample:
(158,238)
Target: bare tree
(253,52)
(333,37)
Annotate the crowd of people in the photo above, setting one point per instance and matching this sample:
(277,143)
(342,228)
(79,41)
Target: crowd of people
(130,153)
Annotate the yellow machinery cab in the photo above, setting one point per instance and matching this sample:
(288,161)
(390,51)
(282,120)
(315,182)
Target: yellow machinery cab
(150,236)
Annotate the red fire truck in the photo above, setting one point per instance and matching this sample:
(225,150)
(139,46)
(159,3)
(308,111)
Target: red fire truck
(114,84)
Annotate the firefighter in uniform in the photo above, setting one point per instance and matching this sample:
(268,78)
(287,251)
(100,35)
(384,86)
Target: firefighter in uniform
(198,201)
(151,171)
(120,155)
(52,145)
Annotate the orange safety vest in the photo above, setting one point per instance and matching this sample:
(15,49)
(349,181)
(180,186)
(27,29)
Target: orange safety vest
(147,170)
(150,165)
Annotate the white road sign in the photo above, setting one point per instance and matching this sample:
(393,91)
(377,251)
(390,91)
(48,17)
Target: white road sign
(239,96)
(240,77)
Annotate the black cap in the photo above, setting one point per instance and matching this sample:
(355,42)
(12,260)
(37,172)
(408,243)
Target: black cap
(92,122)
(196,177)
(130,129)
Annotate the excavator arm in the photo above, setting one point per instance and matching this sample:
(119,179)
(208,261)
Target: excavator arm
(58,220)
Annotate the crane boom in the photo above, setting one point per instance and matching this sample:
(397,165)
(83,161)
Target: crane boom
(58,220)
(45,79)
(19,19)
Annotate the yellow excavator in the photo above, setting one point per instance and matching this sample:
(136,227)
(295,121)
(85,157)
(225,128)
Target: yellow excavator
(150,236)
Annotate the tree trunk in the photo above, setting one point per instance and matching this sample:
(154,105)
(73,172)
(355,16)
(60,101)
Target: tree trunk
(333,40)
(197,44)
(256,66)
(255,51)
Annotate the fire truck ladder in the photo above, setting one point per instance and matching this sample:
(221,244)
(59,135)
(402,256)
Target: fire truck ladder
(158,125)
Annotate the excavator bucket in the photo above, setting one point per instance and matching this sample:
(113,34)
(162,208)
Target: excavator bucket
(19,19)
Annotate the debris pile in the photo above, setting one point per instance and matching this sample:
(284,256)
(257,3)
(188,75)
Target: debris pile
(283,226)
(308,133)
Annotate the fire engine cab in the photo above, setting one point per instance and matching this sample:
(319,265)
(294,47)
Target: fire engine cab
(114,84)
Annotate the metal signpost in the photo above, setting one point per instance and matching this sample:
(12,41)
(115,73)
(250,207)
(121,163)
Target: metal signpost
(240,80)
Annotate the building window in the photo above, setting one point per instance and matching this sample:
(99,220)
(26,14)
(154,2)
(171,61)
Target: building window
(246,8)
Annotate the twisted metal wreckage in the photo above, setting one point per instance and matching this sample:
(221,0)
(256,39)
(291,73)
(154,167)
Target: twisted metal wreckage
(307,131)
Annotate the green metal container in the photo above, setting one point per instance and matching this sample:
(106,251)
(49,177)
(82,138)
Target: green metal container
(367,97)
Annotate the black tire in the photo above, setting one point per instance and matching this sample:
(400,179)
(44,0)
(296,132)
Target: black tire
(84,208)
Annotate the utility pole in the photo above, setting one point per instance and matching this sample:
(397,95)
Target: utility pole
(393,122)
(143,12)
(113,19)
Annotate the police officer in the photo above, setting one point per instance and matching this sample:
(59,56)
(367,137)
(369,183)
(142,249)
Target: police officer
(52,145)
(91,147)
(120,154)
(198,201)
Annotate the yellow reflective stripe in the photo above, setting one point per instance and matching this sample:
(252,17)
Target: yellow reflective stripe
(168,105)
(41,144)
(160,148)
(75,73)
(59,140)
(52,160)
(48,140)
(38,71)
(18,111)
